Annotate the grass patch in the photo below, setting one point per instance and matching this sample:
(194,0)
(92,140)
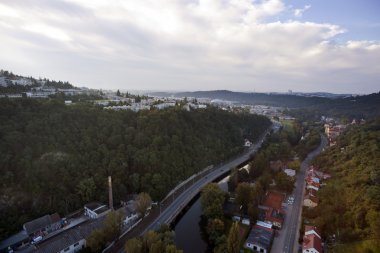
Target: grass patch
(366,246)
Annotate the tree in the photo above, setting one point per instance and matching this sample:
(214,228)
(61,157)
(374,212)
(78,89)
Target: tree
(113,224)
(215,228)
(233,241)
(86,189)
(212,200)
(133,245)
(118,93)
(143,202)
(157,247)
(96,241)
(253,212)
(172,249)
(149,238)
(284,182)
(244,195)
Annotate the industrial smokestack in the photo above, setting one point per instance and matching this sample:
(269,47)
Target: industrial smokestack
(110,198)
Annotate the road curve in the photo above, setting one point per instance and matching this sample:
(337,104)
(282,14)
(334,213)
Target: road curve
(187,195)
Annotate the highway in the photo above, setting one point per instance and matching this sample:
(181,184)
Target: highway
(291,230)
(181,195)
(180,201)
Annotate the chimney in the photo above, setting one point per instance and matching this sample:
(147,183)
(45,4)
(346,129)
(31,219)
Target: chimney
(110,198)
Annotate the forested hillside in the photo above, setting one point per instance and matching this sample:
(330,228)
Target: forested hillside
(56,158)
(350,201)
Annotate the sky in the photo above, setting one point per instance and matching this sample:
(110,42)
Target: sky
(185,45)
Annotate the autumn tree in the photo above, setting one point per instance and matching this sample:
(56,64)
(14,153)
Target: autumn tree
(244,195)
(212,199)
(143,202)
(233,241)
(133,245)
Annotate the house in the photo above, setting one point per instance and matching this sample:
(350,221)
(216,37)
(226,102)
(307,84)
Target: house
(290,172)
(43,225)
(312,241)
(274,200)
(313,186)
(275,217)
(260,238)
(71,240)
(165,105)
(247,143)
(129,210)
(310,201)
(95,210)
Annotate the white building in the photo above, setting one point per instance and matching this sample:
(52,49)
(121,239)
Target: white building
(290,172)
(95,210)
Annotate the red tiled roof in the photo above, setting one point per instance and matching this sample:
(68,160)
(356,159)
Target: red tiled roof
(312,241)
(274,200)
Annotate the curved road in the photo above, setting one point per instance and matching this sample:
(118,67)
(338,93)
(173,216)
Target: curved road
(187,195)
(184,195)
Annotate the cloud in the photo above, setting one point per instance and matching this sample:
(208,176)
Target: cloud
(299,12)
(183,44)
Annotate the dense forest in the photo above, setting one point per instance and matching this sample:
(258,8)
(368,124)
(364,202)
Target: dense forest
(56,158)
(349,208)
(358,107)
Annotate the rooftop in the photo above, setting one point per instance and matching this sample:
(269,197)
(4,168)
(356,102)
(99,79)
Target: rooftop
(69,237)
(274,200)
(261,236)
(41,223)
(312,241)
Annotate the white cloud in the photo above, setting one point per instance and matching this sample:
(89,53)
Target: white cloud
(299,12)
(183,44)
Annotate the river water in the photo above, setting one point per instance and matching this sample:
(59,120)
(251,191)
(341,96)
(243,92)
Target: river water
(187,231)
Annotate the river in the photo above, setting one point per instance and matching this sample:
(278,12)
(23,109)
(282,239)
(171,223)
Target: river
(187,231)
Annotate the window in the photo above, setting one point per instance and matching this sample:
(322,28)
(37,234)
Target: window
(261,250)
(76,244)
(254,247)
(67,249)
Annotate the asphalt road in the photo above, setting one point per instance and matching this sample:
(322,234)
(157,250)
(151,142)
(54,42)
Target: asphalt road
(294,221)
(185,197)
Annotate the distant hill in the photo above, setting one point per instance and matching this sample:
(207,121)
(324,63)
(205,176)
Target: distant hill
(325,103)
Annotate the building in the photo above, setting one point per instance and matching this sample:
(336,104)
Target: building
(290,172)
(260,238)
(275,217)
(310,201)
(95,210)
(71,240)
(164,105)
(14,241)
(312,241)
(42,226)
(247,143)
(129,210)
(274,200)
